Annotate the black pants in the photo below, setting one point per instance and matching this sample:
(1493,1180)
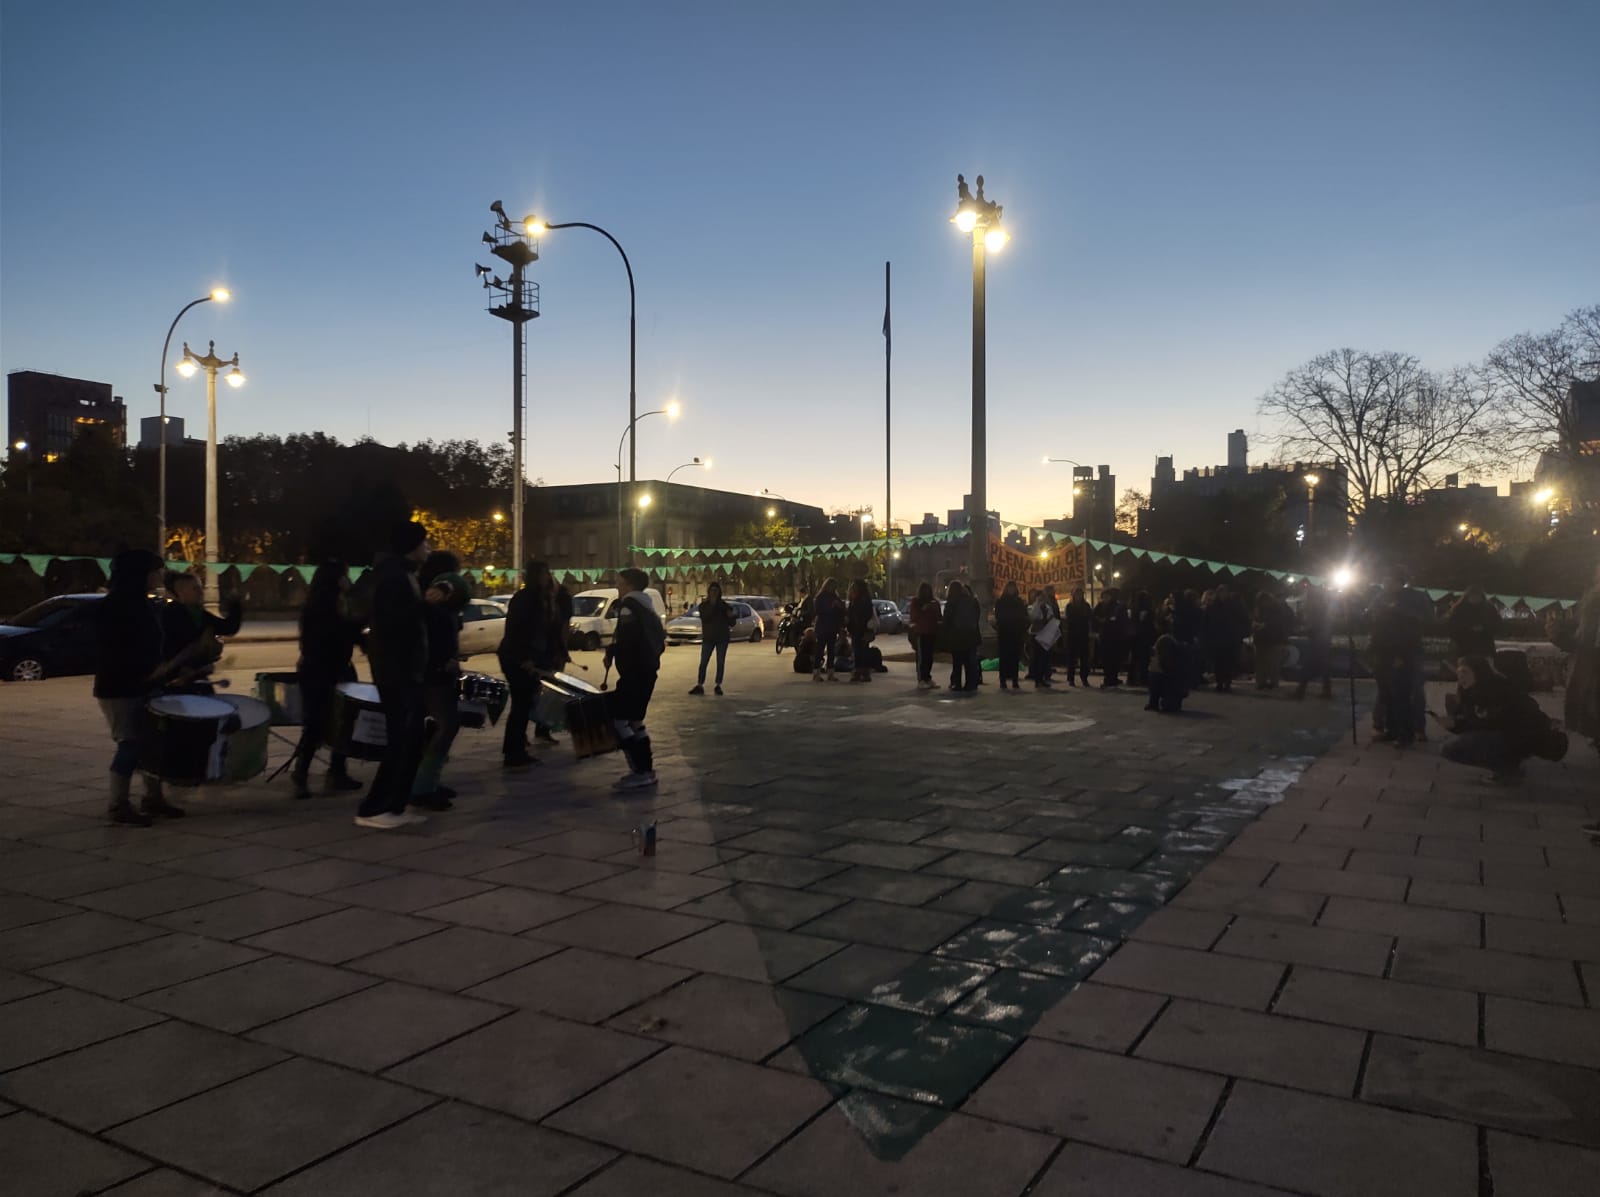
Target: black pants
(1316,665)
(707,647)
(402,727)
(1010,656)
(524,693)
(316,707)
(925,658)
(1224,662)
(1111,660)
(1139,662)
(964,673)
(1078,656)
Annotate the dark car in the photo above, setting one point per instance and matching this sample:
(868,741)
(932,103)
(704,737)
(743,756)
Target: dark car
(49,639)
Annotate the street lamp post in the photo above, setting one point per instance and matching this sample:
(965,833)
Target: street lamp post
(210,363)
(642,503)
(980,217)
(537,228)
(689,465)
(671,411)
(516,302)
(221,295)
(1311,504)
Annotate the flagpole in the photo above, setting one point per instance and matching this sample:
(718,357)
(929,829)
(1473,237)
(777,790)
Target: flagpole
(888,448)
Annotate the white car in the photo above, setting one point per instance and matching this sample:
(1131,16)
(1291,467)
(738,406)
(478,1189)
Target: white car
(767,609)
(483,624)
(747,625)
(594,616)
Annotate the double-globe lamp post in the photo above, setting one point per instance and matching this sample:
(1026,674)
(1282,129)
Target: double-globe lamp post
(210,363)
(980,217)
(221,295)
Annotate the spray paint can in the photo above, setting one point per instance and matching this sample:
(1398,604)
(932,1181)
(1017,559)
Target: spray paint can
(644,840)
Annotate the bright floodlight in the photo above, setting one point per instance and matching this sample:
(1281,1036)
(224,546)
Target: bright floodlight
(644,500)
(1047,459)
(221,294)
(706,463)
(20,446)
(966,220)
(995,240)
(499,517)
(772,513)
(1343,578)
(535,227)
(1461,527)
(1543,495)
(1099,565)
(235,379)
(1044,554)
(186,367)
(673,409)
(1312,479)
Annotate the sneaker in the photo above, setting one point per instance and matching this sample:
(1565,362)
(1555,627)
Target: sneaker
(386,821)
(816,675)
(412,817)
(634,781)
(698,689)
(340,781)
(717,690)
(126,816)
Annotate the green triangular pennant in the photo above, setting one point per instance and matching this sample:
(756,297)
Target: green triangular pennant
(38,562)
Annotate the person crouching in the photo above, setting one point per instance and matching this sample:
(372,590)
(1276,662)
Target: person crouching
(1169,683)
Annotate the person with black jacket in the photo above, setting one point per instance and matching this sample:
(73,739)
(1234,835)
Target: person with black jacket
(1316,617)
(328,637)
(1497,725)
(963,633)
(1077,619)
(1143,641)
(444,594)
(534,640)
(128,631)
(397,649)
(1010,617)
(635,650)
(1473,623)
(189,632)
(1226,623)
(716,630)
(1111,616)
(859,618)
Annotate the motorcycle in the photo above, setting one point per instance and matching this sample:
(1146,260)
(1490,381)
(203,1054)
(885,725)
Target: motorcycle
(791,628)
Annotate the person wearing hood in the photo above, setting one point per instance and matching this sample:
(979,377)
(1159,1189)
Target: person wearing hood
(444,594)
(128,628)
(636,651)
(397,649)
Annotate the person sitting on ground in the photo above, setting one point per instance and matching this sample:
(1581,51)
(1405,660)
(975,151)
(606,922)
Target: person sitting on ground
(1498,725)
(1169,683)
(806,651)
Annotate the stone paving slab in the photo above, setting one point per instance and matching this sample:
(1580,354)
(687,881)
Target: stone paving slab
(1219,956)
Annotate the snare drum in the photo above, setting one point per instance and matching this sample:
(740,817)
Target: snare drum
(186,741)
(244,752)
(584,713)
(358,727)
(281,692)
(483,697)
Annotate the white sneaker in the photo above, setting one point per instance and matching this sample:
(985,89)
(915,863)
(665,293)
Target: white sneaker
(634,781)
(386,821)
(413,817)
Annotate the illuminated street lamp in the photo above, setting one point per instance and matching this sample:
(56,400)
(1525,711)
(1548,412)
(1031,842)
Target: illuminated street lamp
(221,295)
(1311,481)
(980,217)
(671,411)
(210,363)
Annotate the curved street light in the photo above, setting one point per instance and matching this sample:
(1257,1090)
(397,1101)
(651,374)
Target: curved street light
(671,411)
(221,295)
(689,465)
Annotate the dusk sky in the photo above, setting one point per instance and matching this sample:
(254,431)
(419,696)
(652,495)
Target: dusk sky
(1201,195)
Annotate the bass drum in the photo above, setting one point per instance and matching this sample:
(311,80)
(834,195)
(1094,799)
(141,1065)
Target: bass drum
(281,693)
(186,741)
(244,753)
(358,728)
(583,714)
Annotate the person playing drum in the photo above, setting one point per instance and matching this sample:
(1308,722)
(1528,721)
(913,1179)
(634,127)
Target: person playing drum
(444,594)
(636,651)
(328,636)
(534,640)
(129,634)
(189,633)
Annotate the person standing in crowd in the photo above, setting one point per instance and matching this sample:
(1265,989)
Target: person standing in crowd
(397,649)
(1581,638)
(1396,650)
(328,637)
(716,630)
(128,631)
(534,639)
(860,618)
(635,650)
(189,632)
(1142,617)
(1270,635)
(1497,725)
(444,594)
(1316,617)
(829,613)
(925,621)
(1111,616)
(1078,618)
(1473,624)
(1044,627)
(1010,617)
(1187,627)
(1226,625)
(963,633)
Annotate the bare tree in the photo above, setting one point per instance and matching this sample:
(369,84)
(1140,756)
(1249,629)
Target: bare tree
(1531,376)
(1395,426)
(1128,510)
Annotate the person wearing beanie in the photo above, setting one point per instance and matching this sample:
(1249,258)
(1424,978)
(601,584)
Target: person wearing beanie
(444,594)
(636,651)
(397,650)
(130,653)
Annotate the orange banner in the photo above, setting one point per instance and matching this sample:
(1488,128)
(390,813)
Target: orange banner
(1061,567)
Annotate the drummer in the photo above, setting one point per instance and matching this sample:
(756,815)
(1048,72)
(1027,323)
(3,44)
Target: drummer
(636,650)
(534,640)
(129,634)
(444,594)
(189,632)
(328,636)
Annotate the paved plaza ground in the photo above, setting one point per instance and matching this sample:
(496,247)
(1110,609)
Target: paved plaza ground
(892,943)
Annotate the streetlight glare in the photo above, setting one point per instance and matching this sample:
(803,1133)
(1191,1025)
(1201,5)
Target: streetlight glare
(535,227)
(1044,554)
(772,513)
(644,500)
(706,463)
(866,518)
(235,378)
(21,446)
(221,294)
(1046,459)
(1343,578)
(673,409)
(186,367)
(966,220)
(995,240)
(1543,495)
(1312,479)
(499,517)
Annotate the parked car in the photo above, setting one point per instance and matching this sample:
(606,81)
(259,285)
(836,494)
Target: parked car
(503,601)
(747,625)
(594,616)
(483,624)
(890,621)
(50,639)
(767,608)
